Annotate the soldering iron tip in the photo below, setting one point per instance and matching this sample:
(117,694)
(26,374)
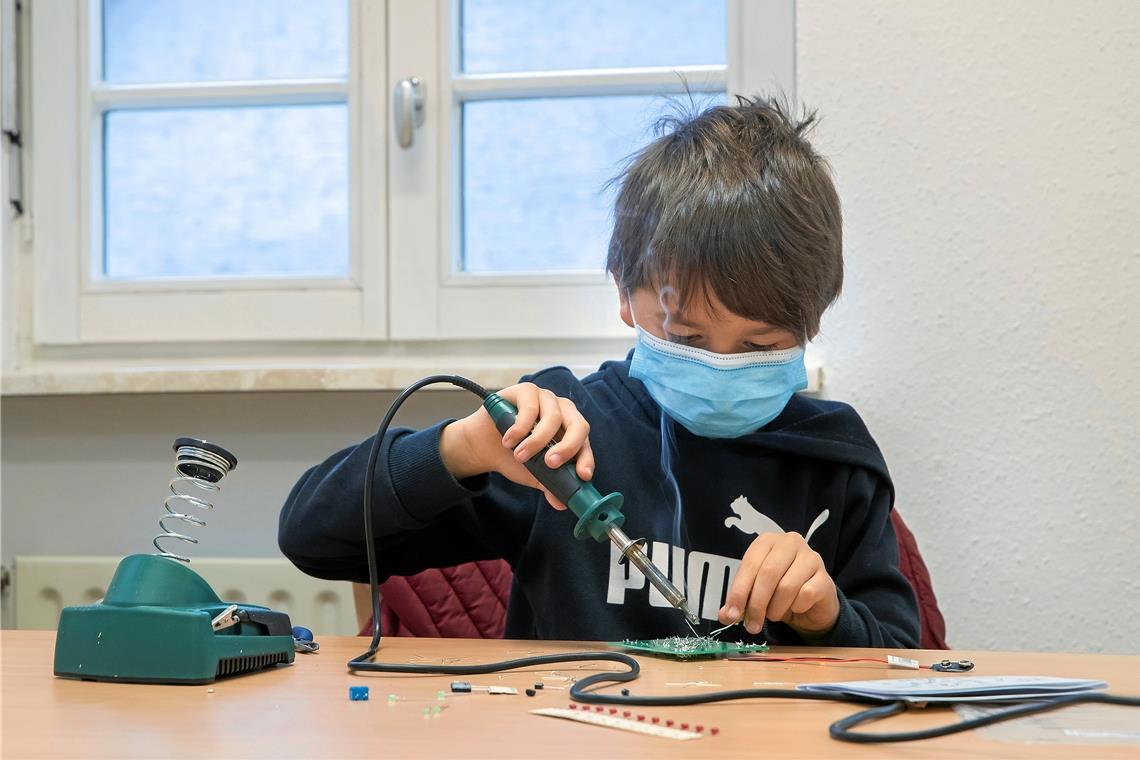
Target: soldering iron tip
(690,618)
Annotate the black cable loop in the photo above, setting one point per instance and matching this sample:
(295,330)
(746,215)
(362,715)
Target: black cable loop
(370,474)
(840,728)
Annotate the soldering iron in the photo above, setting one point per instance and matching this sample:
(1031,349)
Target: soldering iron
(599,517)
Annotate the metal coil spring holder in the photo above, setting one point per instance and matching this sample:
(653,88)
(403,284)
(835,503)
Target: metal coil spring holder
(200,464)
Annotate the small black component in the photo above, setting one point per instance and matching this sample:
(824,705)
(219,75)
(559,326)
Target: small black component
(539,685)
(953,666)
(531,692)
(461,687)
(625,692)
(275,623)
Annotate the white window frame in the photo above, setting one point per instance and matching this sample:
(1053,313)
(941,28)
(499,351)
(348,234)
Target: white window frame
(72,306)
(431,301)
(401,296)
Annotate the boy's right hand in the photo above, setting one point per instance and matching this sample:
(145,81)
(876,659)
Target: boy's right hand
(472,446)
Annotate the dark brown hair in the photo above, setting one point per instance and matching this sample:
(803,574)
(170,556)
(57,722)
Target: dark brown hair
(734,201)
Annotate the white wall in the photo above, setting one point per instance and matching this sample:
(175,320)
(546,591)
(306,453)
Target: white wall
(989,331)
(989,165)
(88,474)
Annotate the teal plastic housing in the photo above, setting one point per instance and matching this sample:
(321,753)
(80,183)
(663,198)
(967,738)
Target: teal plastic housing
(596,513)
(154,626)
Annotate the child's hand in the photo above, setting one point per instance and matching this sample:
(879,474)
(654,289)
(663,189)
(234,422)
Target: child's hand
(781,578)
(473,445)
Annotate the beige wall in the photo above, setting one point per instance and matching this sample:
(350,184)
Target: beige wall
(88,474)
(989,164)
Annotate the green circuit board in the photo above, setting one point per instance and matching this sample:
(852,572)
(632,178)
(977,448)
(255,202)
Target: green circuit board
(689,647)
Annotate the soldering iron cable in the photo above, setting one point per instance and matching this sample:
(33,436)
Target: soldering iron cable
(582,689)
(364,661)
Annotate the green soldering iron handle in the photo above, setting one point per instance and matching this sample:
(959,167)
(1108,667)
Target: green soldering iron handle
(596,513)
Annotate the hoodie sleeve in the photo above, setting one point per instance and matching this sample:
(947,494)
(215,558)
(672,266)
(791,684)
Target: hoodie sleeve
(877,607)
(422,516)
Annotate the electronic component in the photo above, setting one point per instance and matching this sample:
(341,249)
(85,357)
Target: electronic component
(498,689)
(907,663)
(623,723)
(464,687)
(891,661)
(358,693)
(531,692)
(689,647)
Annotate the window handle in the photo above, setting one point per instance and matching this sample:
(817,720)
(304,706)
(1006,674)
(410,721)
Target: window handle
(408,109)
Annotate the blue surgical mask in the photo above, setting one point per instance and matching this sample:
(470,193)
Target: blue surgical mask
(717,395)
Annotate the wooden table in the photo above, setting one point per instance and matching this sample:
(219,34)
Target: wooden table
(303,710)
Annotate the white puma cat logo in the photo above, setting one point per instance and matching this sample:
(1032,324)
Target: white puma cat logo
(748,519)
(705,577)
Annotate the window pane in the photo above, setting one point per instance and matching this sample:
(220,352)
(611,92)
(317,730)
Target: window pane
(226,191)
(214,40)
(523,35)
(533,177)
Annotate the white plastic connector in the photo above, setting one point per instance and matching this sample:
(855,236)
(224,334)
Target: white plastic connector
(894,661)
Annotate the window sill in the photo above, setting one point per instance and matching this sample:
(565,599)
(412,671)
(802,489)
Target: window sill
(226,378)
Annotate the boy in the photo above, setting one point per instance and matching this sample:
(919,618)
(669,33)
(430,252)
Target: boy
(765,507)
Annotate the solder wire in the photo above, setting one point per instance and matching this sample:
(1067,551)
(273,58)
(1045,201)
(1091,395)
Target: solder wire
(581,690)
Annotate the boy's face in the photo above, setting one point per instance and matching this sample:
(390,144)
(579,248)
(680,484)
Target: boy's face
(710,325)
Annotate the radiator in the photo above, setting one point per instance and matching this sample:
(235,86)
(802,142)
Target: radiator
(42,586)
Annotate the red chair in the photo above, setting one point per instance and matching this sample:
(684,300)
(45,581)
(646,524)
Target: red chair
(932,626)
(470,600)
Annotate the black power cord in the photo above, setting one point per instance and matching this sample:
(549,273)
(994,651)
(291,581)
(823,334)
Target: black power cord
(581,690)
(840,728)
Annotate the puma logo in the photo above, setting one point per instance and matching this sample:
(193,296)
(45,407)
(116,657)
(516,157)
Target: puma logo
(748,519)
(705,577)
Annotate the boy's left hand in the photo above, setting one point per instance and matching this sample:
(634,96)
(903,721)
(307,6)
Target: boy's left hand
(781,578)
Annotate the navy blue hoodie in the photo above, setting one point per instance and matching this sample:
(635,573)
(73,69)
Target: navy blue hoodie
(814,470)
